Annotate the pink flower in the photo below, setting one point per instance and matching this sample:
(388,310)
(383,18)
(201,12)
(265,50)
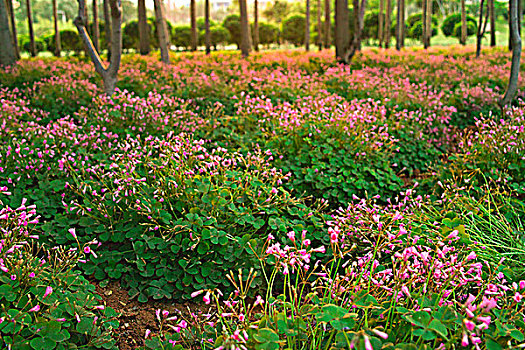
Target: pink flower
(380,334)
(518,297)
(471,256)
(291,236)
(469,324)
(368,345)
(194,294)
(464,340)
(35,308)
(49,290)
(207,298)
(148,332)
(73,232)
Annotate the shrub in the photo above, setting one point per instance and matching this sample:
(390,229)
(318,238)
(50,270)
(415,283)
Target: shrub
(25,43)
(450,22)
(416,31)
(293,29)
(232,23)
(70,41)
(471,29)
(182,36)
(268,33)
(219,36)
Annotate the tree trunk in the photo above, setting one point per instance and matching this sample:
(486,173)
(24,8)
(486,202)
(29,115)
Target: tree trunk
(403,30)
(307,27)
(108,74)
(57,31)
(7,49)
(162,31)
(463,39)
(428,23)
(516,54)
(492,24)
(342,31)
(256,25)
(381,23)
(11,14)
(399,25)
(319,26)
(327,24)
(520,15)
(144,45)
(481,27)
(386,31)
(107,27)
(245,29)
(193,20)
(96,33)
(207,25)
(32,48)
(424,23)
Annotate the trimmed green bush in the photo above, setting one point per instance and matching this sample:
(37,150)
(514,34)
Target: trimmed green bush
(450,22)
(293,29)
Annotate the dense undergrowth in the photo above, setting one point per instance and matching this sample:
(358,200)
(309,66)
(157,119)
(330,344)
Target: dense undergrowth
(372,206)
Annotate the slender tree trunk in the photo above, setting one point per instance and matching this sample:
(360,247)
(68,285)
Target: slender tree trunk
(516,54)
(520,15)
(162,31)
(193,20)
(11,14)
(32,48)
(327,24)
(399,25)
(381,20)
(424,24)
(256,25)
(107,27)
(57,31)
(307,27)
(319,26)
(245,29)
(403,34)
(144,45)
(386,31)
(428,23)
(207,25)
(463,39)
(108,74)
(510,25)
(7,49)
(492,24)
(96,32)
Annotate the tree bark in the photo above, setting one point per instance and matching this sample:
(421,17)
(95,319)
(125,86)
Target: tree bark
(144,45)
(463,40)
(32,47)
(428,23)
(193,20)
(109,73)
(399,25)
(11,14)
(424,23)
(7,49)
(245,29)
(386,31)
(207,25)
(256,25)
(492,24)
(381,21)
(162,31)
(516,54)
(107,27)
(327,24)
(96,33)
(307,27)
(403,30)
(319,26)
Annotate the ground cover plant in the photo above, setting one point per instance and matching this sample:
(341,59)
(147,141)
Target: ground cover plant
(303,203)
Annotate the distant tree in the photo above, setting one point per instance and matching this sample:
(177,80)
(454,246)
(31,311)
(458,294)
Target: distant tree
(319,26)
(386,29)
(232,23)
(108,74)
(400,25)
(207,26)
(463,37)
(380,22)
(482,26)
(277,11)
(255,34)
(427,25)
(492,23)
(245,29)
(327,22)
(57,46)
(307,27)
(7,49)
